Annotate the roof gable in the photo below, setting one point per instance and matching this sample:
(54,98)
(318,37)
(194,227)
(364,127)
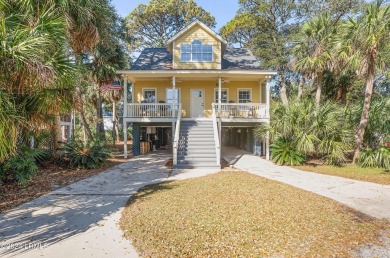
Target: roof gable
(201,25)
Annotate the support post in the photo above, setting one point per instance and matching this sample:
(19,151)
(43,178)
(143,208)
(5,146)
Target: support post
(219,95)
(125,89)
(268,116)
(125,139)
(136,139)
(174,108)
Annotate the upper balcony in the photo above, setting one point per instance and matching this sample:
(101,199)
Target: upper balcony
(228,112)
(242,112)
(152,112)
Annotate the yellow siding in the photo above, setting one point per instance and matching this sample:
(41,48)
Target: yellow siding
(185,92)
(197,32)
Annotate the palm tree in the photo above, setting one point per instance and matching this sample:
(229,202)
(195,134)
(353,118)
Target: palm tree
(366,37)
(33,54)
(313,50)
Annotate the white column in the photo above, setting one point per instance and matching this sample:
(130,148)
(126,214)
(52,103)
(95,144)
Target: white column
(268,104)
(173,108)
(267,85)
(125,88)
(219,95)
(125,139)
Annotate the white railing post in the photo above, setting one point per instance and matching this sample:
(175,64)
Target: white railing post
(177,136)
(216,135)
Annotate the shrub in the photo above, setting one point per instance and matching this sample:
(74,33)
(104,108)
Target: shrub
(379,158)
(284,152)
(22,166)
(90,155)
(311,130)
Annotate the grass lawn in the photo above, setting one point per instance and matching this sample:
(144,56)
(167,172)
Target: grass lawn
(375,175)
(236,214)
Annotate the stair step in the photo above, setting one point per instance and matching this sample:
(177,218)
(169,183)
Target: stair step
(188,166)
(197,154)
(197,158)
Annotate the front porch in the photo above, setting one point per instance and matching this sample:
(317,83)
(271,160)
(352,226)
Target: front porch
(225,98)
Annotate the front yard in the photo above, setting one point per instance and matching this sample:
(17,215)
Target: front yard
(237,214)
(374,175)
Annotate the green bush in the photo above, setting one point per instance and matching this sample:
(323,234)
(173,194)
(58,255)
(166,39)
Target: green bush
(379,158)
(285,153)
(23,166)
(312,131)
(90,155)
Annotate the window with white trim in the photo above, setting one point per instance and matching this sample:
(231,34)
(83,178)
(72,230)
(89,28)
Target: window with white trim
(149,95)
(173,93)
(196,51)
(244,96)
(224,95)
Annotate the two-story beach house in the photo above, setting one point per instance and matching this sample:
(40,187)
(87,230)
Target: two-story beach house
(196,95)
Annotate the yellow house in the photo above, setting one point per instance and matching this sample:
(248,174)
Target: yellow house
(196,95)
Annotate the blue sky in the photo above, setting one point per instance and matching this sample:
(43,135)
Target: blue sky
(222,10)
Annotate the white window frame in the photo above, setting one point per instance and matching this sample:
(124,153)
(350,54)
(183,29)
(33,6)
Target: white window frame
(244,89)
(216,93)
(190,52)
(166,95)
(149,89)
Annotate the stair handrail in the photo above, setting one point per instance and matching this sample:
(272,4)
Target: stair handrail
(177,134)
(216,135)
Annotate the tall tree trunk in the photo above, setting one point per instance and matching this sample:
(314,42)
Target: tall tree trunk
(300,88)
(283,91)
(318,94)
(83,120)
(366,108)
(57,134)
(99,114)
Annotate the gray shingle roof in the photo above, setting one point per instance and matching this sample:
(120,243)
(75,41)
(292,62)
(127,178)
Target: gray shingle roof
(153,59)
(239,59)
(160,59)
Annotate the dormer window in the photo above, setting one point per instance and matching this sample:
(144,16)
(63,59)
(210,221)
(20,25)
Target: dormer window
(196,51)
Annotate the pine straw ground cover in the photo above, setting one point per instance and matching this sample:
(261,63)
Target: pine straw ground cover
(374,175)
(48,179)
(236,214)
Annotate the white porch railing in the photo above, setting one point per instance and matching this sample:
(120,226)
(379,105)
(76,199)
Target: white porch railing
(216,137)
(177,135)
(243,110)
(153,110)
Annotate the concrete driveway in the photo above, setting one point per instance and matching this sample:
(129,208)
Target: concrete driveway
(369,198)
(80,220)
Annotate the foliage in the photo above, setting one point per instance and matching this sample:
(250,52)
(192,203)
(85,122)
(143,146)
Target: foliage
(153,24)
(311,130)
(378,126)
(22,166)
(362,42)
(269,28)
(379,158)
(89,155)
(284,153)
(38,77)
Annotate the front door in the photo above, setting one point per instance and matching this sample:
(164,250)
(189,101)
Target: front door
(197,103)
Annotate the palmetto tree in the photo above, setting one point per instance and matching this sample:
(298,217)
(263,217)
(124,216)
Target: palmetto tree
(32,60)
(366,37)
(313,50)
(311,129)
